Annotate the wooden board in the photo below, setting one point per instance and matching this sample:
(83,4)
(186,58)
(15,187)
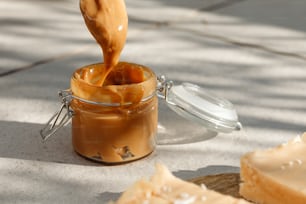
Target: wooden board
(227,184)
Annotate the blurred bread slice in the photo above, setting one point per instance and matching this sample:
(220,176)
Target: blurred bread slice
(276,175)
(165,188)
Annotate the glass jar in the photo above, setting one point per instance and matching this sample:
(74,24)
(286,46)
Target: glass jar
(116,123)
(113,123)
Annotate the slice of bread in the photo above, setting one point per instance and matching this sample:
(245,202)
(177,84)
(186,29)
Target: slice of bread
(165,188)
(276,175)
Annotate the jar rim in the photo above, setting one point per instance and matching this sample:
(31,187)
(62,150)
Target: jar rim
(147,69)
(114,95)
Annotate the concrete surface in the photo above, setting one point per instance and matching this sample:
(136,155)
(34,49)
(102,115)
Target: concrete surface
(250,52)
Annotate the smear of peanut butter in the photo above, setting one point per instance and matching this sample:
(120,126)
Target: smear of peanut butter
(108,22)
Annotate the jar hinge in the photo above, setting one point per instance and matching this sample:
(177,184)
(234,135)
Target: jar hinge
(60,118)
(163,88)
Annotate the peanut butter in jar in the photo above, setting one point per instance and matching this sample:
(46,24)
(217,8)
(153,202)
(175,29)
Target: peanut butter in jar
(116,122)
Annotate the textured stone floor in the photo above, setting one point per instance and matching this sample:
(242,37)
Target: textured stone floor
(252,53)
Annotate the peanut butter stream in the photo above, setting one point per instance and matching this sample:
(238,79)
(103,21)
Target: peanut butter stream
(108,22)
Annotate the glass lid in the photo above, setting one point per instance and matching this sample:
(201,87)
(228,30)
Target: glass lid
(196,104)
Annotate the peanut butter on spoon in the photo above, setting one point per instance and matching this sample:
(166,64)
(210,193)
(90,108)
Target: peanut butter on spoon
(108,23)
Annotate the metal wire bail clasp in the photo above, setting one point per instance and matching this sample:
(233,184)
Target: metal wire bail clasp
(163,87)
(60,118)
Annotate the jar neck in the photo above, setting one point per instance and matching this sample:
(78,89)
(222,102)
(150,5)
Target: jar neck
(107,104)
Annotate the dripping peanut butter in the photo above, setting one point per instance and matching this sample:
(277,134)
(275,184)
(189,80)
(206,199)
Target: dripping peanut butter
(114,103)
(107,21)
